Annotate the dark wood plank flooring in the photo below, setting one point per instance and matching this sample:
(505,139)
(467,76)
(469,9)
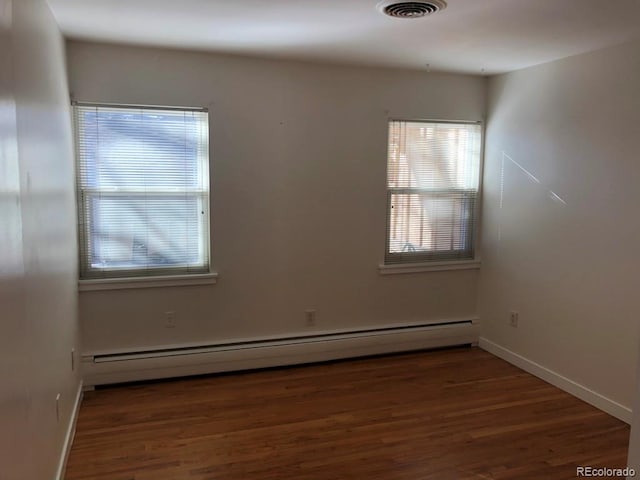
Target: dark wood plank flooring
(450,414)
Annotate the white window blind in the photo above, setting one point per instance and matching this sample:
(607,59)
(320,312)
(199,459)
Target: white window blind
(143,190)
(432,187)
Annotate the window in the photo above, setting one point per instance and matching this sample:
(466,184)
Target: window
(143,191)
(432,187)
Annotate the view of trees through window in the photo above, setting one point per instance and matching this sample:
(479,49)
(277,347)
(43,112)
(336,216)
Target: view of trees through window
(432,187)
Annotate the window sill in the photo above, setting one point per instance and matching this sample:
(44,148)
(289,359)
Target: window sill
(428,267)
(147,282)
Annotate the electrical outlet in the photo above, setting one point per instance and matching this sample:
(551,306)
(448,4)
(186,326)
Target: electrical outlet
(310,317)
(73,359)
(513,319)
(58,408)
(170,319)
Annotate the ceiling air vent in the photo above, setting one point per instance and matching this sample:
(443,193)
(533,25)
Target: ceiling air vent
(416,9)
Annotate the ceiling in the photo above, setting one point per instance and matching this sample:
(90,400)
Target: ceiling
(470,36)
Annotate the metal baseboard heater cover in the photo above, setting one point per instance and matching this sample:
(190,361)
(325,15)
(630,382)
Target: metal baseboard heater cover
(108,368)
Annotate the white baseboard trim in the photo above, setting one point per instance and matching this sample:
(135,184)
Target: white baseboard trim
(71,432)
(224,357)
(577,390)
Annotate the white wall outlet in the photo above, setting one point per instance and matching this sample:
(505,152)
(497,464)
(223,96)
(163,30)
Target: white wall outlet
(513,318)
(58,408)
(310,317)
(170,319)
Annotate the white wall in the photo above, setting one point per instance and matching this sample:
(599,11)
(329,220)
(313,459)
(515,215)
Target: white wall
(37,244)
(298,195)
(633,459)
(560,242)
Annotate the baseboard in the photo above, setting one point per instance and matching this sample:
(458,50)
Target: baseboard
(134,366)
(577,390)
(71,432)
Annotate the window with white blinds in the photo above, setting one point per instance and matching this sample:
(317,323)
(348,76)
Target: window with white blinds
(433,173)
(142,190)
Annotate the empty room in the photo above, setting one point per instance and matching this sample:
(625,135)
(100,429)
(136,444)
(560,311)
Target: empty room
(319,239)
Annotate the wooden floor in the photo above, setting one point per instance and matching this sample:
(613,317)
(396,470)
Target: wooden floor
(451,414)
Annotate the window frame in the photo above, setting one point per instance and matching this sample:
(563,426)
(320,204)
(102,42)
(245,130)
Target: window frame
(410,262)
(148,276)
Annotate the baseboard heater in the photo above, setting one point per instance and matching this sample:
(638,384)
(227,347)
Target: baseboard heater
(107,368)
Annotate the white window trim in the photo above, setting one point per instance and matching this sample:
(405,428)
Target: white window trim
(150,281)
(147,282)
(393,269)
